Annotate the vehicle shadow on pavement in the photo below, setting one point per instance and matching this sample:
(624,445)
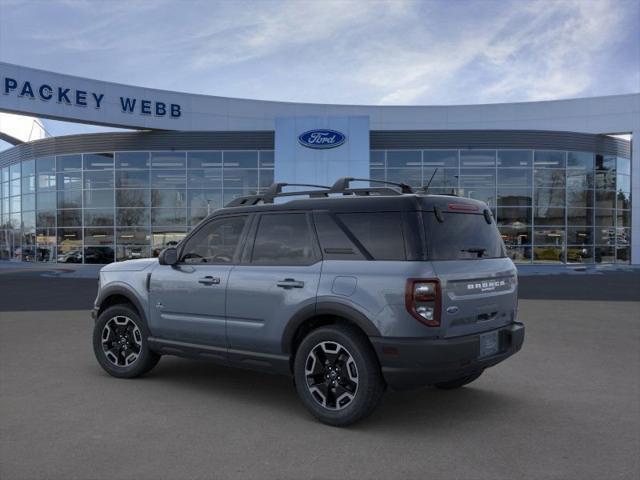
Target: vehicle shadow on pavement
(441,409)
(398,411)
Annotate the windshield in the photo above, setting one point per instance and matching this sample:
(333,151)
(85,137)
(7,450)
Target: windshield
(462,236)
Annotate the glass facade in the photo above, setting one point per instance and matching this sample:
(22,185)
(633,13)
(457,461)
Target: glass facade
(551,206)
(111,206)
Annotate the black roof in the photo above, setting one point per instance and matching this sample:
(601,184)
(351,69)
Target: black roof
(373,203)
(342,197)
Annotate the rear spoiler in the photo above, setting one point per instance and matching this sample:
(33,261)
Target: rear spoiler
(462,207)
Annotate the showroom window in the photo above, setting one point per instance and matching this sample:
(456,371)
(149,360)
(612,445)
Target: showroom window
(550,206)
(106,206)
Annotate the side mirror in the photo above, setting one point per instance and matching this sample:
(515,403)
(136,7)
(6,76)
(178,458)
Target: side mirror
(168,256)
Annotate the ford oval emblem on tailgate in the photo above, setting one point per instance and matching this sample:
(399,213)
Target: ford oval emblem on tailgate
(452,310)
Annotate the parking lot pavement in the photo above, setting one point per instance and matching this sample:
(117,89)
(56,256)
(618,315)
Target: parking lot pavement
(622,285)
(565,407)
(30,291)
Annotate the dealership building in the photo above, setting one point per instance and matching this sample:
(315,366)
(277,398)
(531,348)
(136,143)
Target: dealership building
(561,177)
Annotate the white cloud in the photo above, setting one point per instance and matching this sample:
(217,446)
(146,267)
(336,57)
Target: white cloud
(552,57)
(269,28)
(387,52)
(542,51)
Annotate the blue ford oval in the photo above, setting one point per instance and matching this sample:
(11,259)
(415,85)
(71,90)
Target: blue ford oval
(322,138)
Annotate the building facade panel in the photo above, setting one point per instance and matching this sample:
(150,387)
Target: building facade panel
(611,114)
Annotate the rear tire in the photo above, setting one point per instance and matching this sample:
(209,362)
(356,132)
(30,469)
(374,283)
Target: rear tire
(337,375)
(120,343)
(458,382)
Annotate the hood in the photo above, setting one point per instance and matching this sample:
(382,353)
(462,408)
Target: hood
(130,265)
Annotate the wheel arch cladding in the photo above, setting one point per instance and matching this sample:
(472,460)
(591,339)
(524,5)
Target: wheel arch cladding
(310,318)
(117,295)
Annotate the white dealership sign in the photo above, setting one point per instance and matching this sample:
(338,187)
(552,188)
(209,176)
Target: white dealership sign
(53,95)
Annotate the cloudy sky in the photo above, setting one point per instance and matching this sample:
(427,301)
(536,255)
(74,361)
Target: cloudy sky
(336,51)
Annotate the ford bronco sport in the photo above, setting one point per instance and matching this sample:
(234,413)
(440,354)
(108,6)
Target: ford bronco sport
(348,290)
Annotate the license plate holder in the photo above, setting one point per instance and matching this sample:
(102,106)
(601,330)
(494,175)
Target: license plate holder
(489,344)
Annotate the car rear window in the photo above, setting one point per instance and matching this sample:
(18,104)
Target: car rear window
(462,236)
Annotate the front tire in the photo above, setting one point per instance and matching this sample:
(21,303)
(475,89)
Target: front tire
(337,375)
(120,343)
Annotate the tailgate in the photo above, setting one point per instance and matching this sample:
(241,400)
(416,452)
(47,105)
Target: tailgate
(477,295)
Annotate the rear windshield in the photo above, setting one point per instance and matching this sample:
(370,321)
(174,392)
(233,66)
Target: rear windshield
(462,236)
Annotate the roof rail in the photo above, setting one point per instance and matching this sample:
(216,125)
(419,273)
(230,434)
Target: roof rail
(342,184)
(245,201)
(275,191)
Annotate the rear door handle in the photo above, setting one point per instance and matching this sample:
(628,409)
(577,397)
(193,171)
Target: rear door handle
(209,280)
(290,283)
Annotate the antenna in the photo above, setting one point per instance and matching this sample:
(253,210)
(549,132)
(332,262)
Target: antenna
(426,187)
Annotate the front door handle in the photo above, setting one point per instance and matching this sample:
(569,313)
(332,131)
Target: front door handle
(290,283)
(209,280)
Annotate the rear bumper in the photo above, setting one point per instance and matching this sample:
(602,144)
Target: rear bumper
(411,363)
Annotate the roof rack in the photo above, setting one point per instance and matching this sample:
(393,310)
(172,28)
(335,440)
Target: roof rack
(275,190)
(341,186)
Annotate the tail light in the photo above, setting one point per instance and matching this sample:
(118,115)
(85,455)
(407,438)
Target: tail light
(422,299)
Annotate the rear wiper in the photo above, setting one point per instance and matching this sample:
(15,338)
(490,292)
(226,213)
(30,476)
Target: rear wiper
(479,251)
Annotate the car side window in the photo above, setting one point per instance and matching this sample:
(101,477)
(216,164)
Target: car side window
(380,233)
(334,242)
(215,243)
(283,239)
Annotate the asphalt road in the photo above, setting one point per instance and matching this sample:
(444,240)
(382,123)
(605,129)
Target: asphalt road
(567,406)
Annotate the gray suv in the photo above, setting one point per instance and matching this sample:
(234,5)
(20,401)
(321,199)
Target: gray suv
(348,290)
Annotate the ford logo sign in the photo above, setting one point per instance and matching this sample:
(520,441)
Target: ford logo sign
(322,138)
